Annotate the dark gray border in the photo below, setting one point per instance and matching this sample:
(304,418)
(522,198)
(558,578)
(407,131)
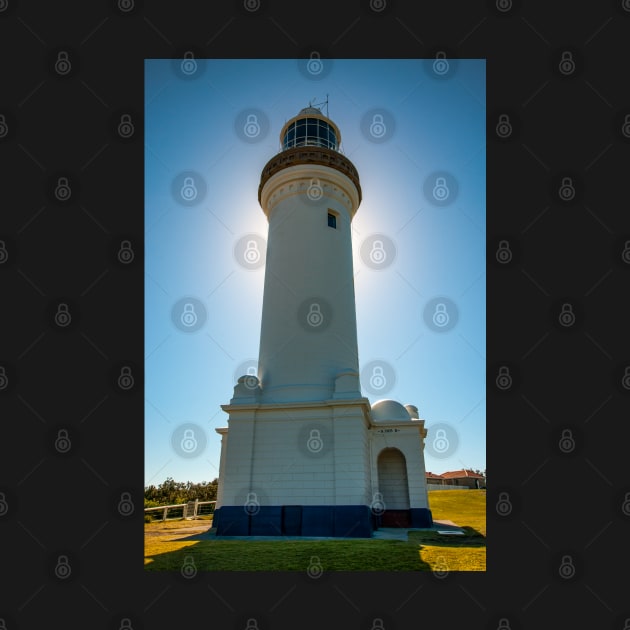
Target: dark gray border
(64,251)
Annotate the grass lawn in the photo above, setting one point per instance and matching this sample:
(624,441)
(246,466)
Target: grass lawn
(466,508)
(167,545)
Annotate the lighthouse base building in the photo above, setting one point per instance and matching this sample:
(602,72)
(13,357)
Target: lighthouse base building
(305,453)
(338,467)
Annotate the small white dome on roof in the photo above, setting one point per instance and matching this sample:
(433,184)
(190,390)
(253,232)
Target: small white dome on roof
(389,411)
(413,411)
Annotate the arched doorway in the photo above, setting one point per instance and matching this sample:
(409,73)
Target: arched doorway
(393,485)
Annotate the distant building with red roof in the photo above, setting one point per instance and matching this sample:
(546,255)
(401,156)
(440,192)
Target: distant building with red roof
(434,479)
(465,478)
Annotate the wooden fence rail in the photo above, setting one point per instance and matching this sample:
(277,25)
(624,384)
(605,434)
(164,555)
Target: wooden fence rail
(189,509)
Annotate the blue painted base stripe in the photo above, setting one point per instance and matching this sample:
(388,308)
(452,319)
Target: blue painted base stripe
(345,521)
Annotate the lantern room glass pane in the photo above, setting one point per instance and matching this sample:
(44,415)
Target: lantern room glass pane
(300,133)
(332,138)
(311,130)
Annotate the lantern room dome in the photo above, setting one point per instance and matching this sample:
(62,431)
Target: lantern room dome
(310,110)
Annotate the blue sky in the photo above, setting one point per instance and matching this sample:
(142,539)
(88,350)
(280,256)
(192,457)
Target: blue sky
(415,130)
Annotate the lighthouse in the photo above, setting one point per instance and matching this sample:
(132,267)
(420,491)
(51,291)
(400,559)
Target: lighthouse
(305,453)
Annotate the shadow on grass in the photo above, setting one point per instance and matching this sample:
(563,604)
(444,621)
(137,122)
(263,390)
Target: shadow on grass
(451,553)
(353,554)
(471,538)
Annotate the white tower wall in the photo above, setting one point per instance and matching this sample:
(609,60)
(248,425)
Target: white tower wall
(308,269)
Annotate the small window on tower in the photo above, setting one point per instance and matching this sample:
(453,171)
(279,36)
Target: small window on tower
(332,220)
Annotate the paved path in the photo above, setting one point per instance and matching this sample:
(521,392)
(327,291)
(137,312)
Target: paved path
(202,532)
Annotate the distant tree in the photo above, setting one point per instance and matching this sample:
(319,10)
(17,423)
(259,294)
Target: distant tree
(171,492)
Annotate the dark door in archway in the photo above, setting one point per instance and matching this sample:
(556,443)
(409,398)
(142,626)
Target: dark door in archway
(393,485)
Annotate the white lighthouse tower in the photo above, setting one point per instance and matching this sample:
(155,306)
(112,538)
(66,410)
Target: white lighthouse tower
(305,453)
